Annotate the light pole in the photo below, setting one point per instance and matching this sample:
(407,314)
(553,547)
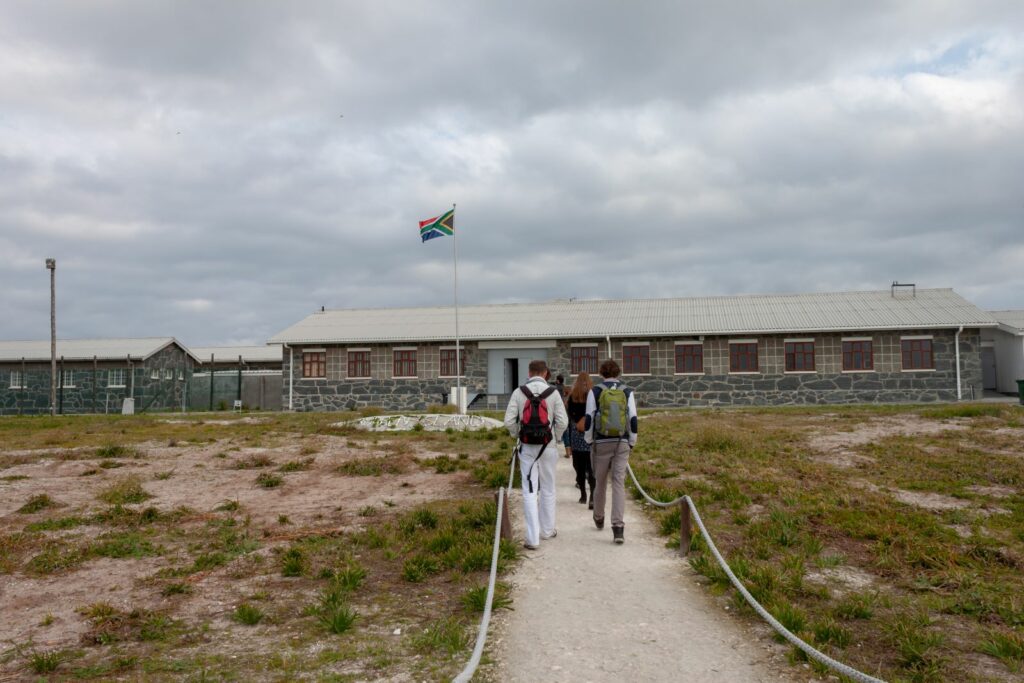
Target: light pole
(51,265)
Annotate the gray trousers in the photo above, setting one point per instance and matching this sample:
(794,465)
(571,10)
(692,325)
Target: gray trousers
(610,458)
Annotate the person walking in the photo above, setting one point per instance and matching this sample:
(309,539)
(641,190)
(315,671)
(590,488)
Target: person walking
(560,385)
(576,407)
(611,427)
(536,416)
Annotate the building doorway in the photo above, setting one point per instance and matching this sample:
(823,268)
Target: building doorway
(988,367)
(511,375)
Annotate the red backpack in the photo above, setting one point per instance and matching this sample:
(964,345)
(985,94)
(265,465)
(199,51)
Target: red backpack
(535,425)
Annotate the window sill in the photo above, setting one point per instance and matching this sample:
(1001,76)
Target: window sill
(359,377)
(115,386)
(311,379)
(450,377)
(744,372)
(406,377)
(799,372)
(636,374)
(918,370)
(856,372)
(688,374)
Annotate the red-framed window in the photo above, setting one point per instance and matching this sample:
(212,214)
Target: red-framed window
(358,364)
(405,363)
(584,359)
(858,355)
(314,364)
(636,359)
(689,359)
(917,354)
(799,356)
(743,357)
(448,362)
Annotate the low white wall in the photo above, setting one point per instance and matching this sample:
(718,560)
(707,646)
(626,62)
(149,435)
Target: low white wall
(1009,361)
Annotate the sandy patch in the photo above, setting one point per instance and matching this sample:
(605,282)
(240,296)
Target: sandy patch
(842,579)
(929,501)
(837,448)
(993,491)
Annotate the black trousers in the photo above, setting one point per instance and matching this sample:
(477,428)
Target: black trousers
(584,470)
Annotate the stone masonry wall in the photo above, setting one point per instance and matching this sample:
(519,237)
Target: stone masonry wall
(771,385)
(337,392)
(91,391)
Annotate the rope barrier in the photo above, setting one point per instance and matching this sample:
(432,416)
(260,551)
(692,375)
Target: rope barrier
(807,649)
(481,636)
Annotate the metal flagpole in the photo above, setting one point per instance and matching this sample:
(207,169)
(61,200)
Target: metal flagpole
(458,354)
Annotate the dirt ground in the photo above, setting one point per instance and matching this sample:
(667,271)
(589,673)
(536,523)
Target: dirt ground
(201,488)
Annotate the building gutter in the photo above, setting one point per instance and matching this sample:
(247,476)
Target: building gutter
(608,339)
(291,374)
(956,343)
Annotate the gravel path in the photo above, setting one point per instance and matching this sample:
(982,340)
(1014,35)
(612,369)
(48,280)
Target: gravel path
(588,610)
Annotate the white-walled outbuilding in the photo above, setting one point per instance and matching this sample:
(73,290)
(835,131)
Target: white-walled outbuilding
(1002,352)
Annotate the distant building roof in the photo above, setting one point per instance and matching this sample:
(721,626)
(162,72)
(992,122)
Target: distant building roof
(268,353)
(1010,321)
(87,349)
(568,319)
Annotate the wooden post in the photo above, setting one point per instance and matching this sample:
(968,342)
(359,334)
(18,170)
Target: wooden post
(506,521)
(95,381)
(684,528)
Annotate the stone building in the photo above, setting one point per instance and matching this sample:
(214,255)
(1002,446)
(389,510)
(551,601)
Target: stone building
(94,375)
(896,345)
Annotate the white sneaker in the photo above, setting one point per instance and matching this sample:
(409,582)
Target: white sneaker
(553,533)
(530,547)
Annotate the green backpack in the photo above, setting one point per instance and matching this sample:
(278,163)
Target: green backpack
(613,411)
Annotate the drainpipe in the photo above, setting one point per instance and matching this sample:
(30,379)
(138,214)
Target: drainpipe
(608,338)
(956,343)
(291,374)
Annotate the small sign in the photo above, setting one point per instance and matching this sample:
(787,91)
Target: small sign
(237,406)
(128,407)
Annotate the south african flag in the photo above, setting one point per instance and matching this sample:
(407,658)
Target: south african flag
(438,226)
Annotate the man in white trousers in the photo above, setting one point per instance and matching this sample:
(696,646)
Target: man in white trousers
(537,461)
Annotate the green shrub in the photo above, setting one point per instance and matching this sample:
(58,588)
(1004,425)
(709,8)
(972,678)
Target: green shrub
(37,503)
(247,614)
(125,491)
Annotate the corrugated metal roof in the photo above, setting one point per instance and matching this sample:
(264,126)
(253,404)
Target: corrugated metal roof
(1010,319)
(569,319)
(86,349)
(250,354)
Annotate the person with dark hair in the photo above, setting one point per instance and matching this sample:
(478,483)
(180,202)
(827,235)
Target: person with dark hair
(536,416)
(611,426)
(560,385)
(576,406)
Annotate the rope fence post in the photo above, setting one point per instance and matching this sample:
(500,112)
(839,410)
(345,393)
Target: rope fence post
(685,530)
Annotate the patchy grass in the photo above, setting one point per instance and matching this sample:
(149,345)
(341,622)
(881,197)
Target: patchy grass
(880,561)
(247,614)
(372,467)
(125,491)
(37,503)
(160,571)
(267,480)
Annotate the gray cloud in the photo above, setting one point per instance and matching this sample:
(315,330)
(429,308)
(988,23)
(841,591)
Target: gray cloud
(188,166)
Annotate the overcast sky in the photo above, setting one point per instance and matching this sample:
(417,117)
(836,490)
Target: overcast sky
(216,171)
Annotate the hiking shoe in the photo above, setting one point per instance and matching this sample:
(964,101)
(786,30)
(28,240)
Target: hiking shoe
(599,523)
(554,532)
(530,547)
(617,535)
(583,497)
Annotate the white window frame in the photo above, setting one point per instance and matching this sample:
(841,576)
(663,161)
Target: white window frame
(691,342)
(728,356)
(181,375)
(405,348)
(917,337)
(622,353)
(860,339)
(168,373)
(796,340)
(65,375)
(154,373)
(123,375)
(17,380)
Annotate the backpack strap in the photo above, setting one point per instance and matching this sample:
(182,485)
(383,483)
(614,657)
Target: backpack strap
(527,392)
(547,392)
